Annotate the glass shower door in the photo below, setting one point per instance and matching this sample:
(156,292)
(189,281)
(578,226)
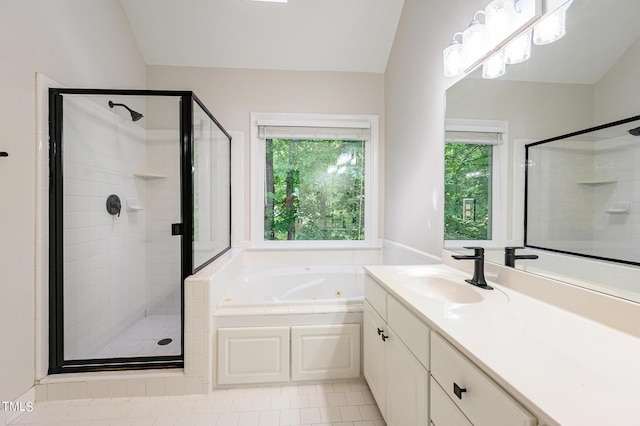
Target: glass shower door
(121,267)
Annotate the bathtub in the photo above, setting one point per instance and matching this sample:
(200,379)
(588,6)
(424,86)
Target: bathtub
(304,321)
(295,286)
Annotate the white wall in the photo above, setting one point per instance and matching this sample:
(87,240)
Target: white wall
(233,94)
(414,108)
(79,44)
(617,94)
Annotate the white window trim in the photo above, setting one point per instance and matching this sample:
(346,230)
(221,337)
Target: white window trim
(371,188)
(499,180)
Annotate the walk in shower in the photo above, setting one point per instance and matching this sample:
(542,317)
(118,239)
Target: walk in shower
(139,200)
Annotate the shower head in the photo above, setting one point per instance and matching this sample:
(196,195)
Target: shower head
(634,132)
(135,115)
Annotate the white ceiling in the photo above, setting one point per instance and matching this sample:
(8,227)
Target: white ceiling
(319,35)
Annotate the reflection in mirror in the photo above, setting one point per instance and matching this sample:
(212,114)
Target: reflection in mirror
(579,191)
(585,79)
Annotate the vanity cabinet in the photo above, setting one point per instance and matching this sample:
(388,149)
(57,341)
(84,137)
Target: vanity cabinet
(474,394)
(397,376)
(418,378)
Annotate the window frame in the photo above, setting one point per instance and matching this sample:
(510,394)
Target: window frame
(499,179)
(258,170)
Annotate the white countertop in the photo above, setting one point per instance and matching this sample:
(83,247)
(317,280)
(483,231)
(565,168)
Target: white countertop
(567,369)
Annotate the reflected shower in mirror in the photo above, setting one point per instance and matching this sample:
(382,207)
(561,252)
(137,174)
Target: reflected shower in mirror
(579,192)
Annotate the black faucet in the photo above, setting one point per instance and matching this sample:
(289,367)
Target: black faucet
(478,267)
(510,256)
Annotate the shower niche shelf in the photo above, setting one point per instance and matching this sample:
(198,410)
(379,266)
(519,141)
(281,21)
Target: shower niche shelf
(594,182)
(147,175)
(133,205)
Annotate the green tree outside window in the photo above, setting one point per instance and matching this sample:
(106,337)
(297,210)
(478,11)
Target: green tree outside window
(314,190)
(467,191)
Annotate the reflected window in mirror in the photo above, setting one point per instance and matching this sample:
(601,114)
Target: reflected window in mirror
(474,174)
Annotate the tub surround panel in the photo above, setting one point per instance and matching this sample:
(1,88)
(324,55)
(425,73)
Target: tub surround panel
(253,355)
(325,352)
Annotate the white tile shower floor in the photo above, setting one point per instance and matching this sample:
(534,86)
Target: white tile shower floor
(337,404)
(141,339)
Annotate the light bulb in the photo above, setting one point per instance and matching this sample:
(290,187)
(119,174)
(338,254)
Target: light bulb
(499,20)
(552,27)
(452,58)
(475,43)
(519,50)
(494,67)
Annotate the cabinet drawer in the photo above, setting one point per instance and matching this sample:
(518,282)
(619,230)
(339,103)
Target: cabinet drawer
(376,295)
(410,329)
(482,401)
(443,411)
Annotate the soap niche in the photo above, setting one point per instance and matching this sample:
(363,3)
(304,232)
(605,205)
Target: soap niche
(133,205)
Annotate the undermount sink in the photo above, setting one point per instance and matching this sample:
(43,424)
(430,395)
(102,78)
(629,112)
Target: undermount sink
(443,288)
(433,283)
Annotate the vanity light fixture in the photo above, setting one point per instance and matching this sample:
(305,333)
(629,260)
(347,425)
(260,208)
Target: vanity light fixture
(475,41)
(519,50)
(452,57)
(510,27)
(495,66)
(552,27)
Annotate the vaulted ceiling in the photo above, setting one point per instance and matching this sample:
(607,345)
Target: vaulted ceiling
(319,35)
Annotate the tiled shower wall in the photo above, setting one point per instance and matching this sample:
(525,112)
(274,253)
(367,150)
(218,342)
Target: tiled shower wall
(615,234)
(104,262)
(162,208)
(559,208)
(573,189)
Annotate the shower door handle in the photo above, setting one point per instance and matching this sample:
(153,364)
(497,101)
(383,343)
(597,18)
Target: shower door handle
(177,229)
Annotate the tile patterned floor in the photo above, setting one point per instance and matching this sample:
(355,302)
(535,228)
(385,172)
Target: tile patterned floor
(337,404)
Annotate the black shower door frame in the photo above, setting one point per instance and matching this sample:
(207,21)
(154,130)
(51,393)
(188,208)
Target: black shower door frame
(57,363)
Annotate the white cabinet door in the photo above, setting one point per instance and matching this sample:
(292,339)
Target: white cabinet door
(407,386)
(253,355)
(375,355)
(320,352)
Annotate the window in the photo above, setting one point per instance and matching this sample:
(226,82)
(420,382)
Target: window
(467,191)
(475,177)
(314,180)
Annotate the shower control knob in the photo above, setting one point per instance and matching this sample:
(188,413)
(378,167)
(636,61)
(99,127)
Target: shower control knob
(380,331)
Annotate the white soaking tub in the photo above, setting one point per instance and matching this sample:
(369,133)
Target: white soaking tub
(290,324)
(299,285)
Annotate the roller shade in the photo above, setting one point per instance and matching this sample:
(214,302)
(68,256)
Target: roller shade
(351,131)
(480,138)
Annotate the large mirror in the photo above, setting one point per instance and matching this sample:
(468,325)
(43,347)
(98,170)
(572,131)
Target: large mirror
(586,79)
